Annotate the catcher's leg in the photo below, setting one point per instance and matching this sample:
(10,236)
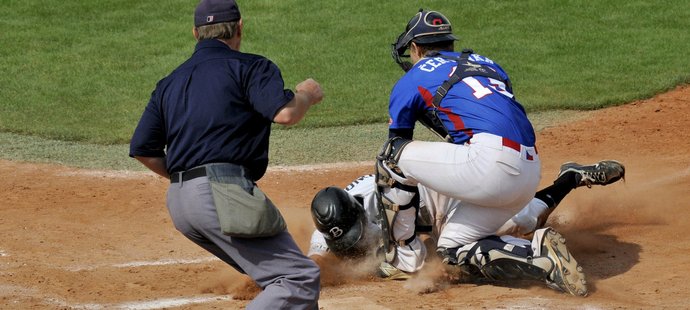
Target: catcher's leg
(408,252)
(393,193)
(508,258)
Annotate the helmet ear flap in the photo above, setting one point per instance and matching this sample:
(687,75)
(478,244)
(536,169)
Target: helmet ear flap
(404,40)
(398,51)
(406,66)
(397,56)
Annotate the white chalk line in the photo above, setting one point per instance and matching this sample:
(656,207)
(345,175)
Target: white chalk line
(148,304)
(119,174)
(324,167)
(166,262)
(125,174)
(161,262)
(134,305)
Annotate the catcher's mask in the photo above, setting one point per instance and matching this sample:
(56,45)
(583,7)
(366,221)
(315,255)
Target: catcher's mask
(340,218)
(424,28)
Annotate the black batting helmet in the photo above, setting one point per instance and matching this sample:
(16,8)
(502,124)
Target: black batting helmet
(340,218)
(425,27)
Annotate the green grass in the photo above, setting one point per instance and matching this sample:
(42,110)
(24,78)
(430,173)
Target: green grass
(298,146)
(82,71)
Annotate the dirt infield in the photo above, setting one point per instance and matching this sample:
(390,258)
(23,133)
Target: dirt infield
(79,239)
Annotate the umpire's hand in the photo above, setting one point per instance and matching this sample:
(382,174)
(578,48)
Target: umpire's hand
(307,94)
(312,89)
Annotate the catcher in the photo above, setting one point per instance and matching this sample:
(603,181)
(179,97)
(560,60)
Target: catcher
(348,226)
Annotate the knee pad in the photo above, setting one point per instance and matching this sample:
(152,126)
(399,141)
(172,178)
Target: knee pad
(387,170)
(397,198)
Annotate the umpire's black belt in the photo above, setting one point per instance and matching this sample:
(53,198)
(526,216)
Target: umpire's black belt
(188,175)
(202,171)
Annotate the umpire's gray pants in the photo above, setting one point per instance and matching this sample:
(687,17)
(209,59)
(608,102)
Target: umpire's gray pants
(289,279)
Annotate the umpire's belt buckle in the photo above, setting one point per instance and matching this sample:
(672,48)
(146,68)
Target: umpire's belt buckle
(190,174)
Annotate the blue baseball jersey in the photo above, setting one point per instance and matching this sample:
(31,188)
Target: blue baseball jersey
(474,105)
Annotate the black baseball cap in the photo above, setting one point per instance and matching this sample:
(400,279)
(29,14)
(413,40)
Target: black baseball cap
(216,11)
(424,28)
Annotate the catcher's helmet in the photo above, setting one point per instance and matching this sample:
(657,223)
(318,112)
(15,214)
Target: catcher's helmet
(340,218)
(425,27)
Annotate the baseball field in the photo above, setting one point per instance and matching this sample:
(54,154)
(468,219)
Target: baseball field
(85,227)
(100,239)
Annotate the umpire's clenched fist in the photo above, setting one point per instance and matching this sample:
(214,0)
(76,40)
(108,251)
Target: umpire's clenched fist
(312,89)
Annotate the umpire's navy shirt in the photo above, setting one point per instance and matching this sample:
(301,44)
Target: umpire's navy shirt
(217,107)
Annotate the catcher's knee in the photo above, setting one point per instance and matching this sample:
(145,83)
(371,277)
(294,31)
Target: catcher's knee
(497,260)
(395,191)
(387,170)
(396,198)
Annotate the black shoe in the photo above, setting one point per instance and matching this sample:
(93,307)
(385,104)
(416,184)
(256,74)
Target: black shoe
(602,173)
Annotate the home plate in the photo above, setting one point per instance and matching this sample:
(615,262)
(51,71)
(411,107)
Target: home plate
(349,303)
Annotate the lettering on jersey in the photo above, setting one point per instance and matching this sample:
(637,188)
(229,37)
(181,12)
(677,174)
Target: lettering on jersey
(479,90)
(336,232)
(475,57)
(355,182)
(452,71)
(432,63)
(500,87)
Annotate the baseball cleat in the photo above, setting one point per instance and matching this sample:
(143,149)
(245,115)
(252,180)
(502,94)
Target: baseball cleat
(566,275)
(602,173)
(388,272)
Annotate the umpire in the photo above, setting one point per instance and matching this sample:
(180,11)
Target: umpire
(206,128)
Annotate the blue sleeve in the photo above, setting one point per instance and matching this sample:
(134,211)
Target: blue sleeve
(148,139)
(405,103)
(266,88)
